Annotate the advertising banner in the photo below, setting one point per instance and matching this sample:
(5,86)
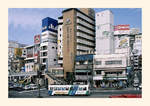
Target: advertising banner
(37,39)
(122,42)
(121,29)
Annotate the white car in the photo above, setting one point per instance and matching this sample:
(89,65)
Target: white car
(27,87)
(33,86)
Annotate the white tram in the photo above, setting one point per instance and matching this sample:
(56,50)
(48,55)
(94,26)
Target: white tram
(70,90)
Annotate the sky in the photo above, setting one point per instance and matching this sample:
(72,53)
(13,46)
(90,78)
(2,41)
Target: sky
(25,23)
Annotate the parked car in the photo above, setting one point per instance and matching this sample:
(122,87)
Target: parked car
(27,87)
(18,87)
(33,86)
(10,86)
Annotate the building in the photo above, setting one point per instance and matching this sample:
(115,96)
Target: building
(104,32)
(12,45)
(136,60)
(15,59)
(60,41)
(109,69)
(84,68)
(138,44)
(48,46)
(78,35)
(29,60)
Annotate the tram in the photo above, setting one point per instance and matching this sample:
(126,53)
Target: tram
(70,90)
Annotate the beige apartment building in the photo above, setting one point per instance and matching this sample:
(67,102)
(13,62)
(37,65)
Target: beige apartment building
(78,35)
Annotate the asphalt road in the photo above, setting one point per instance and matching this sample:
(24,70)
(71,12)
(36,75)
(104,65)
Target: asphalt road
(95,94)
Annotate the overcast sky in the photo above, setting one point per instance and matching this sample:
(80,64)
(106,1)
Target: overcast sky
(24,23)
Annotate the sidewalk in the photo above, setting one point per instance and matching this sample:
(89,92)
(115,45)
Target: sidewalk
(129,88)
(110,89)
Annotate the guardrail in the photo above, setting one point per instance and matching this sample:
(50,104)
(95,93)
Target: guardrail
(23,73)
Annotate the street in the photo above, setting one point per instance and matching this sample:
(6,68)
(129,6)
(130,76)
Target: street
(95,93)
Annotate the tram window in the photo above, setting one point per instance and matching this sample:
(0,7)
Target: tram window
(63,88)
(84,88)
(71,88)
(59,88)
(80,89)
(67,88)
(56,88)
(51,88)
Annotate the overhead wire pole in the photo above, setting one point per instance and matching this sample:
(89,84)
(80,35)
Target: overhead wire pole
(38,71)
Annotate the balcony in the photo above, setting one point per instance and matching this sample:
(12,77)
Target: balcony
(85,18)
(85,42)
(85,30)
(85,24)
(83,77)
(84,66)
(80,34)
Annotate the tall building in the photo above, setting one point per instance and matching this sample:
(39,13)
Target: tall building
(78,35)
(48,51)
(104,32)
(60,41)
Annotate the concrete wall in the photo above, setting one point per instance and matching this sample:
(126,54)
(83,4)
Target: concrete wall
(104,32)
(69,40)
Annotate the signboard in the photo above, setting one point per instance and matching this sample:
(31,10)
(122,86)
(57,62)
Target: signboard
(49,24)
(121,29)
(122,42)
(37,39)
(29,52)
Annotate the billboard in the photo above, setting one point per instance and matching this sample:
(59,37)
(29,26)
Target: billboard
(18,52)
(37,39)
(122,42)
(49,24)
(29,52)
(121,29)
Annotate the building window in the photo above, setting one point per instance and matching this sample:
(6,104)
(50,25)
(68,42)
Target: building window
(44,53)
(44,47)
(60,29)
(60,35)
(98,72)
(44,60)
(97,62)
(54,59)
(113,62)
(52,47)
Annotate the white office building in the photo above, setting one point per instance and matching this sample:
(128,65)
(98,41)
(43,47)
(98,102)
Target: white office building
(110,67)
(104,32)
(48,46)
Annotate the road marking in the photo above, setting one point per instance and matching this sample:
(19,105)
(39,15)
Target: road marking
(31,90)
